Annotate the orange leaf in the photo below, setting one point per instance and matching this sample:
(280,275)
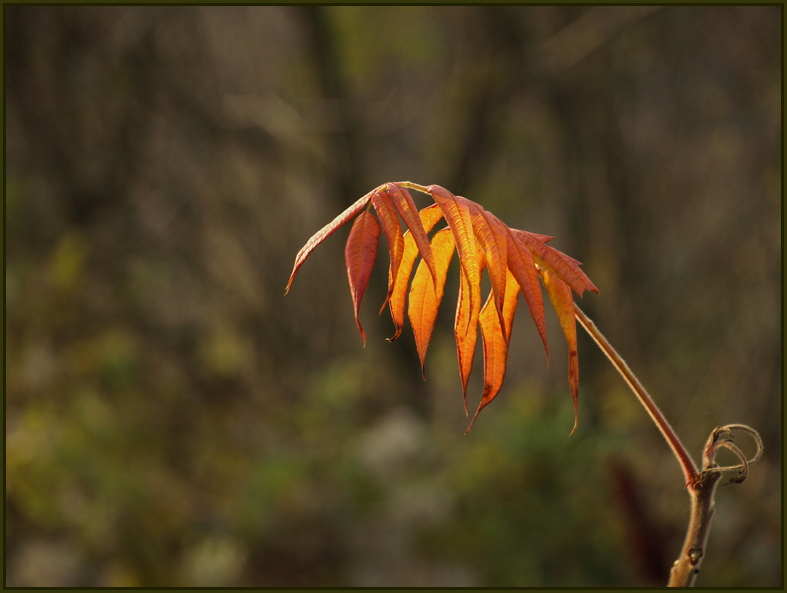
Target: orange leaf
(542,238)
(429,217)
(566,268)
(359,255)
(393,233)
(404,204)
(491,236)
(457,215)
(560,294)
(326,232)
(522,266)
(510,304)
(425,297)
(465,326)
(496,344)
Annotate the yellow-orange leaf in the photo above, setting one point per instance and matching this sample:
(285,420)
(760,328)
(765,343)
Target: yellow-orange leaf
(560,294)
(465,326)
(429,217)
(510,304)
(324,233)
(491,236)
(359,255)
(457,215)
(425,297)
(495,344)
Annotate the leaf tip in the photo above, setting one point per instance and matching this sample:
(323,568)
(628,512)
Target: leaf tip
(360,329)
(480,407)
(396,335)
(472,422)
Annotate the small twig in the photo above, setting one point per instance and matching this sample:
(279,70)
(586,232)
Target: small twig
(415,186)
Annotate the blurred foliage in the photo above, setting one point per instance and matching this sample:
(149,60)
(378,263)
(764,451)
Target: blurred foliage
(173,420)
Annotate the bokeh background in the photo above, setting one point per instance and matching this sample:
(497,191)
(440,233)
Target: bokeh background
(173,420)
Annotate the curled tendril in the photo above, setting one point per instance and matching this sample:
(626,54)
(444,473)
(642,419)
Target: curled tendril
(722,438)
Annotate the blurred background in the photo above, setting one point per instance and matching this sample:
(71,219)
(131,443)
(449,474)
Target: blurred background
(173,420)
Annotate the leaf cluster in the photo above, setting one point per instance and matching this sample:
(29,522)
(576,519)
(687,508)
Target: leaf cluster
(516,262)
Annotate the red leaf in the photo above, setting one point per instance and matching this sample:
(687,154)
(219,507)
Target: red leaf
(522,266)
(429,217)
(393,233)
(425,297)
(560,294)
(404,204)
(359,255)
(326,232)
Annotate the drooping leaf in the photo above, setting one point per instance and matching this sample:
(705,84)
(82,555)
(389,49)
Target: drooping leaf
(574,267)
(509,305)
(491,237)
(429,217)
(523,268)
(459,220)
(560,294)
(466,324)
(404,203)
(389,220)
(567,269)
(496,343)
(359,256)
(326,232)
(424,301)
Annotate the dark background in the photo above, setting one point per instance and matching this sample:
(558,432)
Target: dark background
(173,420)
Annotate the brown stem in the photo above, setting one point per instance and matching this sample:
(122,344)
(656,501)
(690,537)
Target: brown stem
(687,566)
(685,460)
(702,490)
(701,485)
